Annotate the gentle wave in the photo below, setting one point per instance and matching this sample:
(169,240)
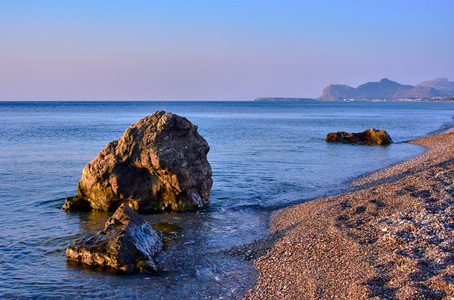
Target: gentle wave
(264,156)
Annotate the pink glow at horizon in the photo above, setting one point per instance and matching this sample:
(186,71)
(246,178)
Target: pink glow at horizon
(217,50)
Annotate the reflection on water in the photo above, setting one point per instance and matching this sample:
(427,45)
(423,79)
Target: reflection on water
(92,221)
(263,155)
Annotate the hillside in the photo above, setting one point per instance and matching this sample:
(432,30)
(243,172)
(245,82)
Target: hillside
(441,84)
(390,90)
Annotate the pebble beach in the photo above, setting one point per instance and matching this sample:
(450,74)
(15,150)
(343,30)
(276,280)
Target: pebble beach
(391,237)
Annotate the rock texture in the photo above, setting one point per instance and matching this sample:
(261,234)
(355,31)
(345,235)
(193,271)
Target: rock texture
(160,163)
(127,243)
(368,137)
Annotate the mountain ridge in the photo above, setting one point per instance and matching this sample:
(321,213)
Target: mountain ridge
(389,90)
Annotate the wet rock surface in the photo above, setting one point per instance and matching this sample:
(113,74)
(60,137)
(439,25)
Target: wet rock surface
(127,244)
(160,163)
(369,137)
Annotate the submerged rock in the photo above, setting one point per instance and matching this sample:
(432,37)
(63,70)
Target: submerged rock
(159,163)
(127,243)
(368,137)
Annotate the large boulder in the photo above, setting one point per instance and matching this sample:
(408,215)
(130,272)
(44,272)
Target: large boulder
(127,244)
(368,137)
(160,163)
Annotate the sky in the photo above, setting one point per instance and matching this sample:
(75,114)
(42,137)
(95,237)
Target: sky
(217,50)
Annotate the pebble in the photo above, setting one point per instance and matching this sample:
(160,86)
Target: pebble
(408,259)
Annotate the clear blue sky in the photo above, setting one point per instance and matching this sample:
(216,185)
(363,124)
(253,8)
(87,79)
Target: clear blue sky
(218,49)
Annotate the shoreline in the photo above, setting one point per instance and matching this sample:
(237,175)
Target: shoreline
(392,237)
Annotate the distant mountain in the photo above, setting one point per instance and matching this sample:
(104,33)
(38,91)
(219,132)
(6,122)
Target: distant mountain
(390,90)
(272,99)
(335,92)
(441,84)
(384,89)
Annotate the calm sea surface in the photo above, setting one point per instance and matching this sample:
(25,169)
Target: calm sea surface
(264,156)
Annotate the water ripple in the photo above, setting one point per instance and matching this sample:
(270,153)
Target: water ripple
(264,156)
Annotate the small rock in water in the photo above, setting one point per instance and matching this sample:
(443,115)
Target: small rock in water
(127,243)
(368,137)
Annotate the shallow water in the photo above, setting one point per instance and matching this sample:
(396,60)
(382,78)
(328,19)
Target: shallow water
(264,156)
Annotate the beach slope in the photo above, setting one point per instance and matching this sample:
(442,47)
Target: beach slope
(390,238)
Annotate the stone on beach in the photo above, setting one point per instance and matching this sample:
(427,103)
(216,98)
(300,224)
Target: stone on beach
(368,137)
(127,243)
(160,163)
(390,238)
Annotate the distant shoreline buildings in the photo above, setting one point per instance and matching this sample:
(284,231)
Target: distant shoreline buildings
(439,89)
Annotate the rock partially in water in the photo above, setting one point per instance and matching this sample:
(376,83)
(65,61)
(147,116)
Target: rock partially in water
(368,137)
(160,163)
(127,244)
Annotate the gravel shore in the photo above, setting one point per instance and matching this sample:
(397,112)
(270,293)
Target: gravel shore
(390,238)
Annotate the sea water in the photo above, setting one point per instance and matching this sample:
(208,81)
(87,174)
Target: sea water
(264,156)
